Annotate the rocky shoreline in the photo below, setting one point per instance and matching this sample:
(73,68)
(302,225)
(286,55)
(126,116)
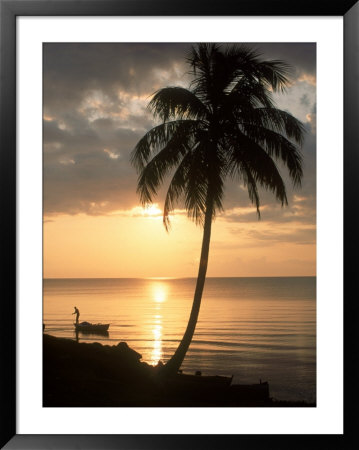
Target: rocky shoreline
(95,375)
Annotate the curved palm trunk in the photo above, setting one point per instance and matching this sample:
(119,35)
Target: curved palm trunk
(175,362)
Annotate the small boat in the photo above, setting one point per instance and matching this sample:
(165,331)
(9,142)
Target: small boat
(215,390)
(92,327)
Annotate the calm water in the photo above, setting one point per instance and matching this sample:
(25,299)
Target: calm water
(252,328)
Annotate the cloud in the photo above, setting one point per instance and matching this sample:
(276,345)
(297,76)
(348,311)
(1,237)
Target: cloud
(304,100)
(300,56)
(297,212)
(312,118)
(111,154)
(260,237)
(298,99)
(74,72)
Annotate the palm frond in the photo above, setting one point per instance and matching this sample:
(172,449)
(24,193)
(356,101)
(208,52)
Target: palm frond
(245,96)
(177,102)
(156,138)
(246,156)
(251,185)
(277,120)
(199,58)
(275,74)
(201,61)
(196,187)
(176,188)
(153,174)
(279,147)
(246,64)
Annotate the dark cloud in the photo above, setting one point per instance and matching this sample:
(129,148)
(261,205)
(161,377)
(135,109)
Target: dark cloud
(301,56)
(72,70)
(304,100)
(95,98)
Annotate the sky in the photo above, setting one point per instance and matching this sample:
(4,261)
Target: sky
(94,112)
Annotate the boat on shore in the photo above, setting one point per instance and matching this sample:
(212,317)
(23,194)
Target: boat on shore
(217,389)
(88,327)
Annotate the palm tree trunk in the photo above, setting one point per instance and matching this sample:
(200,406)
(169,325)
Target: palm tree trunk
(173,365)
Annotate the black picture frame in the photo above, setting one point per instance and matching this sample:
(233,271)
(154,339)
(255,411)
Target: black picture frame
(9,10)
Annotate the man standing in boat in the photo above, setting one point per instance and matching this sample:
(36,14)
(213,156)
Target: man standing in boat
(77,312)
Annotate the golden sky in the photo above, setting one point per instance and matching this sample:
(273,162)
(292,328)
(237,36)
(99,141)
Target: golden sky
(95,98)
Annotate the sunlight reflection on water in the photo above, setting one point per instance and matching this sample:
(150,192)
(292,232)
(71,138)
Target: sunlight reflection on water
(156,354)
(251,328)
(159,292)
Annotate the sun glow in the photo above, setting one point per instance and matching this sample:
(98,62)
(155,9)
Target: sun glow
(152,210)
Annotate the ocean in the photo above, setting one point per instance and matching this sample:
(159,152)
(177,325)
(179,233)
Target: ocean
(251,328)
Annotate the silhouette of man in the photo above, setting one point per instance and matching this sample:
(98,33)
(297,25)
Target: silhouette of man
(77,312)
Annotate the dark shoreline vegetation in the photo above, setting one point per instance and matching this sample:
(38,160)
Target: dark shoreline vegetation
(95,375)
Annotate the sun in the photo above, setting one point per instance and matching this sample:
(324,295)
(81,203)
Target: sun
(152,210)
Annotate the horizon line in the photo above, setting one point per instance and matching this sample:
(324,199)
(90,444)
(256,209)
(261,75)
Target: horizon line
(175,278)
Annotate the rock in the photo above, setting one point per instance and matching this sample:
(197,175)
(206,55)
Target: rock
(127,351)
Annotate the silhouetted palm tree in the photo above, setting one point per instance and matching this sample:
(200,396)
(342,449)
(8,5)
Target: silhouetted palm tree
(224,125)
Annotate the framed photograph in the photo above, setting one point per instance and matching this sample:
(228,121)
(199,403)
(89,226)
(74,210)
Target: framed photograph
(174,179)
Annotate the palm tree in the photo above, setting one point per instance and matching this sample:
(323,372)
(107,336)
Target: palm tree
(224,125)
